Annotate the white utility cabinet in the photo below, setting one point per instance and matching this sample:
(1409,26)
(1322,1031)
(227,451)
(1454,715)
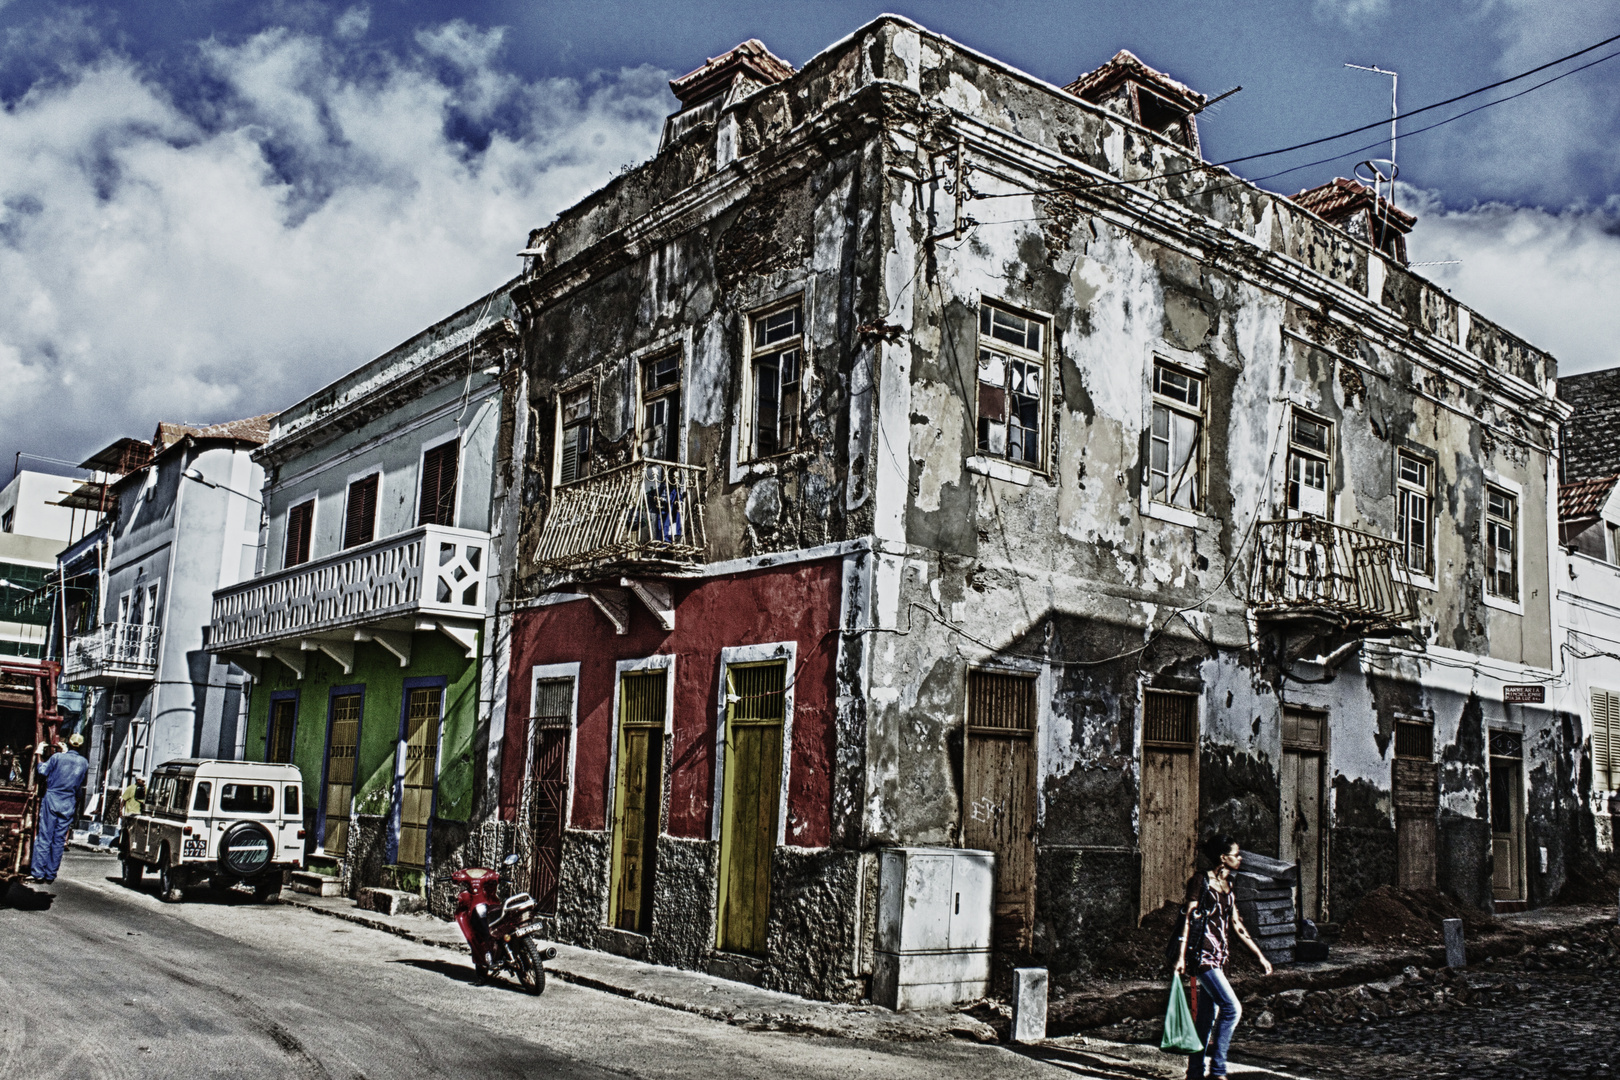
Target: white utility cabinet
(933,926)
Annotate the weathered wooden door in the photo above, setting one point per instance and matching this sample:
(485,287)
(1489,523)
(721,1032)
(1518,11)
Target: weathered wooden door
(278,745)
(637,800)
(1507,815)
(1300,817)
(1417,804)
(998,796)
(343,735)
(548,787)
(755,714)
(1169,813)
(421,771)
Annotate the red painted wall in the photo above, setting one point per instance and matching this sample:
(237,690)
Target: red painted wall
(793,603)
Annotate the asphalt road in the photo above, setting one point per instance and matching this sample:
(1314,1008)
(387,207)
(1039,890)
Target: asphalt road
(110,982)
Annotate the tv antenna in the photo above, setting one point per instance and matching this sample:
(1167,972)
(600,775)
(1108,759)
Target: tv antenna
(1379,174)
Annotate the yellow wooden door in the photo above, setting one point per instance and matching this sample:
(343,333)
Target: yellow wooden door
(421,770)
(1169,813)
(998,796)
(755,699)
(279,746)
(339,795)
(637,800)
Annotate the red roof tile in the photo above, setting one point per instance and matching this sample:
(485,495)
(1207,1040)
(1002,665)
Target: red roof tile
(751,58)
(1584,498)
(1338,199)
(251,429)
(1125,65)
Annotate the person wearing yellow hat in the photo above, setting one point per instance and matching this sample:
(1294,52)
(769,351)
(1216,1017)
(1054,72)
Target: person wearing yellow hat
(63,775)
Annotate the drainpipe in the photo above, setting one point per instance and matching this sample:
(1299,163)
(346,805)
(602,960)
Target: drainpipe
(168,600)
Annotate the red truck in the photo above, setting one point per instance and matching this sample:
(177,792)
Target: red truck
(28,717)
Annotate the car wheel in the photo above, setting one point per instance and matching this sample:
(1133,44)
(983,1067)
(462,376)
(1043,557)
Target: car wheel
(133,871)
(531,972)
(169,890)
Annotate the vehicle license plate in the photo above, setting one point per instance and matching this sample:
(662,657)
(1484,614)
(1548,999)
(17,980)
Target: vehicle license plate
(195,848)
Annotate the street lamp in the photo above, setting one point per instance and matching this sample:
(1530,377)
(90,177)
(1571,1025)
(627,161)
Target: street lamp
(195,473)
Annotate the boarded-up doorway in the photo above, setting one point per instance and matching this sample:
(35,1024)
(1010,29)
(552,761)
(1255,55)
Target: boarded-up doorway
(548,786)
(1301,836)
(998,796)
(638,800)
(1507,815)
(1417,804)
(756,703)
(1169,796)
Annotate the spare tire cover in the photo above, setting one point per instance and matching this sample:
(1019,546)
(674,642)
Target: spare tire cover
(245,849)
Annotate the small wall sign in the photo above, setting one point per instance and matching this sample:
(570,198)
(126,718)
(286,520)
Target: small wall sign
(1525,695)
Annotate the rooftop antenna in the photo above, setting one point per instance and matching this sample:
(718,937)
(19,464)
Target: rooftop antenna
(1381,174)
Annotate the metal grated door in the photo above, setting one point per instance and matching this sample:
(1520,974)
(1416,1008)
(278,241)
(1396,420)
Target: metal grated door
(548,787)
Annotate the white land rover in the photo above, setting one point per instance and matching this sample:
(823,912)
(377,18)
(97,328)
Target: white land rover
(216,823)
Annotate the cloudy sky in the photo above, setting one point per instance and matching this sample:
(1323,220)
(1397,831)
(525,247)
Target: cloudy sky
(208,209)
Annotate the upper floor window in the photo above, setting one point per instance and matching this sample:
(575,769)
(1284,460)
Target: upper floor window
(1501,544)
(1175,460)
(775,376)
(574,449)
(1413,507)
(8,520)
(436,503)
(661,407)
(360,512)
(300,526)
(1012,380)
(1310,447)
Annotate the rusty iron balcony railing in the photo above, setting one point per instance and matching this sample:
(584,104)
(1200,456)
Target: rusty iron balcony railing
(1306,567)
(644,512)
(113,652)
(433,571)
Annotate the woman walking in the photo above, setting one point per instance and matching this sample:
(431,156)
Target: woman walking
(1212,913)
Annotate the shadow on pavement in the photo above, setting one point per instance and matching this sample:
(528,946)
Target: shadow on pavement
(23,898)
(462,972)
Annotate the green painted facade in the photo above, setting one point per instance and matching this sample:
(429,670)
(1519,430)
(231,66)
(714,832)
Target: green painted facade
(382,682)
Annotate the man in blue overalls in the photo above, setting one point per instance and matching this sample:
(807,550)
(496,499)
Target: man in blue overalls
(63,774)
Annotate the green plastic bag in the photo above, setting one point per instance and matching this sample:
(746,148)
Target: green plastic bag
(1180,1034)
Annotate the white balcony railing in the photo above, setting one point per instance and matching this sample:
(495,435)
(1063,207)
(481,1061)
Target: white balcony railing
(432,571)
(119,650)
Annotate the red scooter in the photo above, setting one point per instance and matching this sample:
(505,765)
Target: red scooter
(498,933)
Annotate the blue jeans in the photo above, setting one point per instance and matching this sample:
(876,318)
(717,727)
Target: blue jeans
(1213,991)
(49,840)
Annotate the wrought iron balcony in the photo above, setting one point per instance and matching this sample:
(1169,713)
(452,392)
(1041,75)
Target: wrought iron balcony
(1309,568)
(648,512)
(113,652)
(429,574)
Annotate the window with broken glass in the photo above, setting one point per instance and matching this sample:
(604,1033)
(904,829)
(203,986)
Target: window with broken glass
(661,407)
(775,367)
(574,438)
(1012,378)
(1413,504)
(1175,463)
(1501,549)
(1310,443)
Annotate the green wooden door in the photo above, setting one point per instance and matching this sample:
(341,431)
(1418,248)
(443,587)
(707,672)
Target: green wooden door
(753,788)
(637,800)
(339,794)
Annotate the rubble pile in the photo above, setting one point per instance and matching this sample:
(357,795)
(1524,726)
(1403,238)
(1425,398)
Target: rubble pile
(1388,916)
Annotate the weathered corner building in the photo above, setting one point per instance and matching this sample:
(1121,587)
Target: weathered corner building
(913,452)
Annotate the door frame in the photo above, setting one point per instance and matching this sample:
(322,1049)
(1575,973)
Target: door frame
(737,656)
(664,662)
(1519,810)
(332,695)
(548,673)
(401,749)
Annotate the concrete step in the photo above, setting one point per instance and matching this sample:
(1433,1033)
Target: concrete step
(307,881)
(390,901)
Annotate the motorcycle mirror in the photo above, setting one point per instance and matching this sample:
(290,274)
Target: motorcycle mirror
(511,860)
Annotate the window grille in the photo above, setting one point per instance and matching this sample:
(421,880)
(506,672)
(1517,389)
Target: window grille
(757,693)
(360,515)
(1012,377)
(1169,719)
(641,698)
(1414,740)
(1507,744)
(437,505)
(1176,456)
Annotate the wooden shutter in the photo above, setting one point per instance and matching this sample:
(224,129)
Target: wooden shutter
(438,501)
(360,517)
(1605,740)
(300,520)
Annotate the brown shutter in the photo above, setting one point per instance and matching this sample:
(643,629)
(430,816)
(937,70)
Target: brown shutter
(360,520)
(438,502)
(299,521)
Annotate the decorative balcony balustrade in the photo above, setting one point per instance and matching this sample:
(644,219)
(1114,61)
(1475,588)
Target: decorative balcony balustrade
(1306,567)
(645,512)
(121,651)
(430,572)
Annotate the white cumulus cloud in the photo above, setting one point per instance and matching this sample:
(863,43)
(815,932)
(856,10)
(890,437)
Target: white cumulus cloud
(225,242)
